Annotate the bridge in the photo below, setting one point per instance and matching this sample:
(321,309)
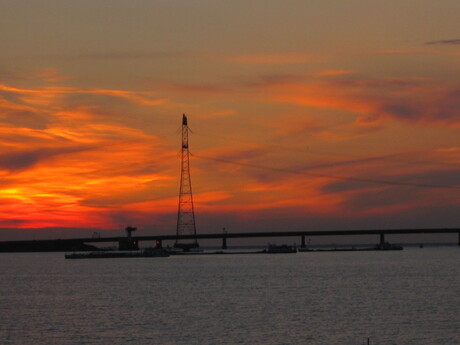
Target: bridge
(83,243)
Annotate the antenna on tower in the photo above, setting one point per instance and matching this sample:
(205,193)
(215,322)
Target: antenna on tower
(185,213)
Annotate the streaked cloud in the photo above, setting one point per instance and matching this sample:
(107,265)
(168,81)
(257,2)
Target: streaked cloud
(269,59)
(445,42)
(410,51)
(43,95)
(20,160)
(220,113)
(130,55)
(52,75)
(335,72)
(412,100)
(428,52)
(76,164)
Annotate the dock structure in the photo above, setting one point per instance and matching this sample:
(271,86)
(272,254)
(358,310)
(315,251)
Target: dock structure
(128,243)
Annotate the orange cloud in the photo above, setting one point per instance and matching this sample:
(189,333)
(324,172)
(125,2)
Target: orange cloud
(77,161)
(448,155)
(220,113)
(412,100)
(44,96)
(335,72)
(52,75)
(73,168)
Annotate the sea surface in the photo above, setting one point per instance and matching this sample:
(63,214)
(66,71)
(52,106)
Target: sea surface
(399,297)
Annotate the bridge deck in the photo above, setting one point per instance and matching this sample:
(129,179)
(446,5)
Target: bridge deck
(68,244)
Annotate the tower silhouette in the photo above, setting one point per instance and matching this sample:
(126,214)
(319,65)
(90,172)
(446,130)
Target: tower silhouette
(185,214)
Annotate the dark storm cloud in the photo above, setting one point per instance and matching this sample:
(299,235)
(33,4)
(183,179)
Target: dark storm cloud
(446,42)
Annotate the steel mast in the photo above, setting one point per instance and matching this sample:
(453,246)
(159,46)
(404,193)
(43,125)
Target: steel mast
(185,214)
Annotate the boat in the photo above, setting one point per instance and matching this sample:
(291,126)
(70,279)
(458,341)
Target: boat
(280,249)
(388,246)
(106,254)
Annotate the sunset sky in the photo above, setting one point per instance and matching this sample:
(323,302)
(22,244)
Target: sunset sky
(305,114)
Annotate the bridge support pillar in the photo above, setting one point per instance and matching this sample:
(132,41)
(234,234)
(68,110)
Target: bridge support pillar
(302,245)
(382,239)
(224,242)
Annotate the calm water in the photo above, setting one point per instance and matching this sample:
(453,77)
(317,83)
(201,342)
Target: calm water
(407,297)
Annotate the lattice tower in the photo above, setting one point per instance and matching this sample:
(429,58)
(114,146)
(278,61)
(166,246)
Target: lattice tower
(185,214)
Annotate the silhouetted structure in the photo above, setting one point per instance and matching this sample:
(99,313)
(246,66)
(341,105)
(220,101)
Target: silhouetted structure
(185,213)
(80,244)
(128,243)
